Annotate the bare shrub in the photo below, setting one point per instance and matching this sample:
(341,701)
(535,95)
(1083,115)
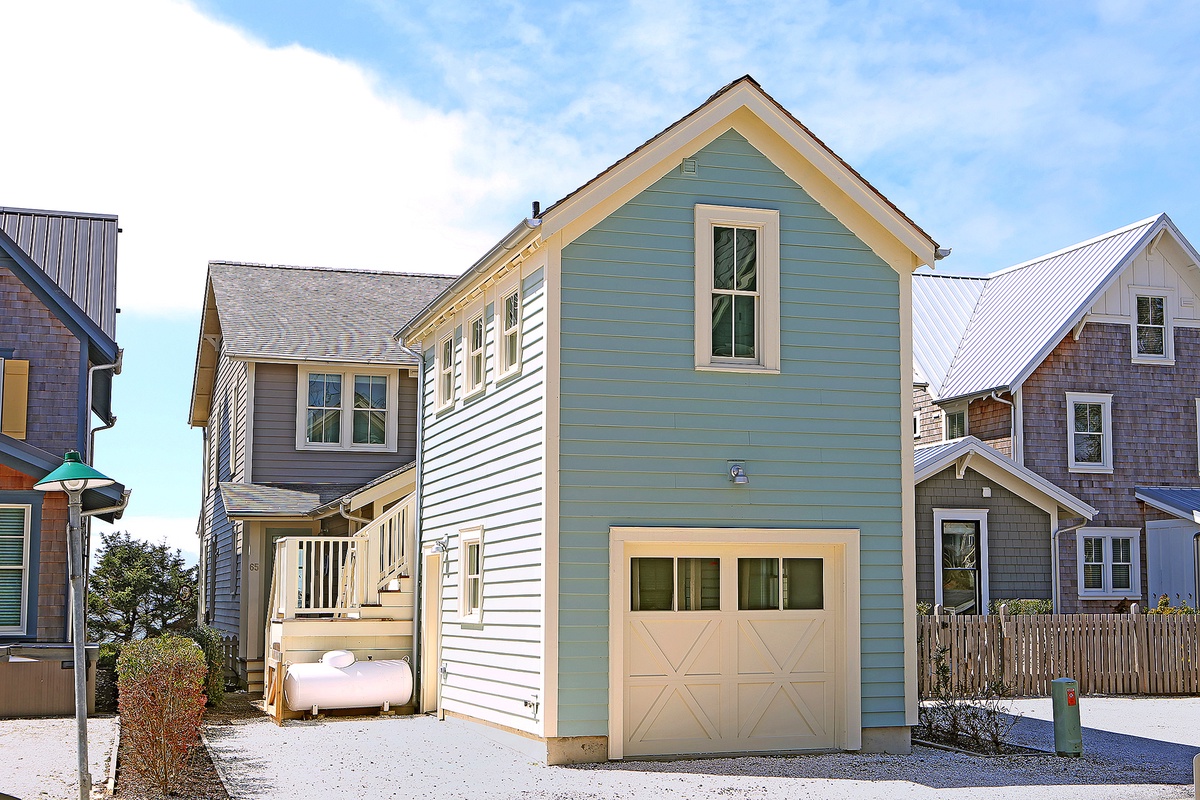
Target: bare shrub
(161,700)
(982,721)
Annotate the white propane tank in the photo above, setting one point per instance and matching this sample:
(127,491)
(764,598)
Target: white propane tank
(339,681)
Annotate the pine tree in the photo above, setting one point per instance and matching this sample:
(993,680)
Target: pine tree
(138,589)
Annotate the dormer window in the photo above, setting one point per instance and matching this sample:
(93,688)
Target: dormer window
(1151,326)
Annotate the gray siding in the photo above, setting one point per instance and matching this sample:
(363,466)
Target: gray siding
(1154,430)
(484,464)
(1018,536)
(645,436)
(276,459)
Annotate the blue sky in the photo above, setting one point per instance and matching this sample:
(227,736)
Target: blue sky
(396,135)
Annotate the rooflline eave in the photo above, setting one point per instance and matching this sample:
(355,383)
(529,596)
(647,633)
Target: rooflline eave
(274,358)
(63,214)
(193,416)
(524,230)
(952,454)
(1181,513)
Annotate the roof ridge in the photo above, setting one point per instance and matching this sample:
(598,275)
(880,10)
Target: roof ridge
(1079,245)
(52,213)
(353,270)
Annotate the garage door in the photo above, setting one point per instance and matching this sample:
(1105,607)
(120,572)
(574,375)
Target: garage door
(731,648)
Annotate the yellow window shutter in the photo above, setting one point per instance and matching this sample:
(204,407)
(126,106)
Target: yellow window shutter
(16,398)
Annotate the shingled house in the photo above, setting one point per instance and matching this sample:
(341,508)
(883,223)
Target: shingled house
(308,406)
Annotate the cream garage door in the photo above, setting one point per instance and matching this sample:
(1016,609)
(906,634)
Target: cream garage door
(732,648)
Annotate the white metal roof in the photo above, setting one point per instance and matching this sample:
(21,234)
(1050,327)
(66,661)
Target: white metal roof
(1020,315)
(1182,502)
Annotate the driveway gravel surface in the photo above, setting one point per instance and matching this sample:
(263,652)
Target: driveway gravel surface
(1145,753)
(37,756)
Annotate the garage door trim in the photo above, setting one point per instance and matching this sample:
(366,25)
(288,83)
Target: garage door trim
(843,538)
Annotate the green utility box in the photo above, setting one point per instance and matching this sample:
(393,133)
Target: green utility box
(1068,735)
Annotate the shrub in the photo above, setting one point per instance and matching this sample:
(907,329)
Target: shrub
(924,608)
(1165,608)
(209,639)
(161,701)
(981,720)
(106,676)
(1022,607)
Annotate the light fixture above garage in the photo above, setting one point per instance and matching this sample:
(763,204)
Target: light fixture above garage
(737,473)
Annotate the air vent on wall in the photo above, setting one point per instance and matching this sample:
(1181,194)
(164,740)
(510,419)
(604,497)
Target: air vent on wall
(688,167)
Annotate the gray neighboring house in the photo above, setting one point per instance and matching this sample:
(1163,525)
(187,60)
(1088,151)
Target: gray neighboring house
(308,406)
(1081,367)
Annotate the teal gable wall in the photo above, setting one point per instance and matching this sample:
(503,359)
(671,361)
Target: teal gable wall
(644,436)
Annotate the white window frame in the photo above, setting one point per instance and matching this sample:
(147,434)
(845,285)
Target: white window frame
(967,515)
(348,374)
(472,387)
(1135,554)
(443,390)
(946,412)
(916,424)
(766,222)
(20,629)
(507,289)
(1198,433)
(1168,296)
(466,538)
(1105,400)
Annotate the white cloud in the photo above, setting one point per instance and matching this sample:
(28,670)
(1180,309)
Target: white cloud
(178,533)
(210,144)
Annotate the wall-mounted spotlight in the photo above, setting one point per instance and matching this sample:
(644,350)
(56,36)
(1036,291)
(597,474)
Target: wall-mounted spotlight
(737,473)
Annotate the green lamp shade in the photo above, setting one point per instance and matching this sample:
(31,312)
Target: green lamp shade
(73,476)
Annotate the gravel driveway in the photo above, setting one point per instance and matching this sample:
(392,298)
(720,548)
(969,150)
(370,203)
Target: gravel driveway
(37,756)
(411,757)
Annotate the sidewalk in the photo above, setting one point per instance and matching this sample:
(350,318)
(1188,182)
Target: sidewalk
(38,760)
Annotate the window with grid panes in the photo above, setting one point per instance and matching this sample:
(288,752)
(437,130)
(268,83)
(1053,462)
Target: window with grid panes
(510,332)
(1151,326)
(14,545)
(475,354)
(324,422)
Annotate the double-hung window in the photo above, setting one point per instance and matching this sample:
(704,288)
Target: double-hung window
(346,410)
(470,574)
(14,566)
(509,340)
(737,288)
(954,424)
(1109,562)
(444,390)
(1089,432)
(1151,329)
(476,363)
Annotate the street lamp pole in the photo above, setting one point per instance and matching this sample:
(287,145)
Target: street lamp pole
(74,477)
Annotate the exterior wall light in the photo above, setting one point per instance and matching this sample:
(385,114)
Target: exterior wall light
(737,473)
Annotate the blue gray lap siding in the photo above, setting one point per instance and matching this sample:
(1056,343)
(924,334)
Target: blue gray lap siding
(644,436)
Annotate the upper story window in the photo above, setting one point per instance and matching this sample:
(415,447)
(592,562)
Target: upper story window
(737,288)
(476,337)
(1109,562)
(444,391)
(346,410)
(954,424)
(509,342)
(1151,328)
(14,566)
(1089,432)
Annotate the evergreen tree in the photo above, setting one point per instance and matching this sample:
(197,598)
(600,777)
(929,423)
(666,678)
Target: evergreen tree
(138,589)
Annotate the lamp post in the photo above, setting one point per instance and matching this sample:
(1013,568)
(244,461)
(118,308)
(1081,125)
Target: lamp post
(75,477)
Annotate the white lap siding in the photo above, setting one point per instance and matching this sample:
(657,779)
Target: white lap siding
(484,466)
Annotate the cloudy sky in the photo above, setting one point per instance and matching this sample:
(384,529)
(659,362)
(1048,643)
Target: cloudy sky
(410,136)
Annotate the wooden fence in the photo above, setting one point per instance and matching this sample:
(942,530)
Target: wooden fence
(229,646)
(1106,653)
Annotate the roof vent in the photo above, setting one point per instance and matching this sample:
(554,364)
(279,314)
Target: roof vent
(688,167)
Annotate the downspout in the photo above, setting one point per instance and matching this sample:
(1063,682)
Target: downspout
(345,512)
(112,420)
(1056,583)
(418,563)
(114,510)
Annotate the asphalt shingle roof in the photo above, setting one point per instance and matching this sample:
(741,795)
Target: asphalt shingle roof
(318,314)
(279,499)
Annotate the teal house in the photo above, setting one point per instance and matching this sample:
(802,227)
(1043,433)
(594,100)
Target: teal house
(665,482)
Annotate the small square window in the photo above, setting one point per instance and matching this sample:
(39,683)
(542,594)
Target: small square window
(699,584)
(955,424)
(652,584)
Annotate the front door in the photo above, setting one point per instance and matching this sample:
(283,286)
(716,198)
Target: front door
(431,626)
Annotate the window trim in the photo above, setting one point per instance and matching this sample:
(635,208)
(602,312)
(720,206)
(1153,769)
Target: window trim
(442,402)
(1198,434)
(466,538)
(471,388)
(917,424)
(979,515)
(958,409)
(504,291)
(1135,553)
(766,221)
(348,373)
(1168,296)
(22,628)
(1104,400)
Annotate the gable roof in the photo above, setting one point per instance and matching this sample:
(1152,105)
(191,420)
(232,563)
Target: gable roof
(931,459)
(743,105)
(102,349)
(1022,312)
(942,307)
(305,314)
(1183,502)
(78,251)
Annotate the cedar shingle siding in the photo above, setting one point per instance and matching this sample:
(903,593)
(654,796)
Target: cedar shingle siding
(1154,430)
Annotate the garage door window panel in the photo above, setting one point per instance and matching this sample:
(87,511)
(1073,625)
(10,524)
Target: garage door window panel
(760,587)
(657,582)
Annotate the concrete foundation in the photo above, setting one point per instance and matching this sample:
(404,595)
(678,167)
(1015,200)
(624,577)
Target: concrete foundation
(576,750)
(896,740)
